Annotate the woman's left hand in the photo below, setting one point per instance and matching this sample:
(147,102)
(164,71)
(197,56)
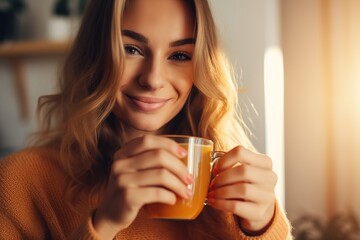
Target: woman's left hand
(244,184)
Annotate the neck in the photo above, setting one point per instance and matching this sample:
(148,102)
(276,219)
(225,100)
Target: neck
(129,133)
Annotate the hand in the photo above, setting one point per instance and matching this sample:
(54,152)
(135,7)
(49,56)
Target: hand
(145,170)
(244,185)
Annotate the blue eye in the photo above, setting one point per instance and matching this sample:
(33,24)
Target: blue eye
(131,50)
(180,56)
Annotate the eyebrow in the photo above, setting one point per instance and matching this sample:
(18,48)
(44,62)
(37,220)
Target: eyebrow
(141,38)
(134,35)
(182,42)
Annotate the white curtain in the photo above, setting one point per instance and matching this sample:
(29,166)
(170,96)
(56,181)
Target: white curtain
(342,25)
(321,43)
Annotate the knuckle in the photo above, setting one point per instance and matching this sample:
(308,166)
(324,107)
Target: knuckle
(120,183)
(275,178)
(166,196)
(239,151)
(244,170)
(163,175)
(269,161)
(161,158)
(159,155)
(114,169)
(128,196)
(245,190)
(119,166)
(146,140)
(234,207)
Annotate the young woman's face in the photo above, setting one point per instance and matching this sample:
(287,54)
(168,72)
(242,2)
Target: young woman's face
(158,75)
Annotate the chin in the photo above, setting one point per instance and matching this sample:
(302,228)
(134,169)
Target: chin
(148,127)
(152,126)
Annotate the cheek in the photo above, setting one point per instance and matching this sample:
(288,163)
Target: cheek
(188,89)
(129,73)
(185,82)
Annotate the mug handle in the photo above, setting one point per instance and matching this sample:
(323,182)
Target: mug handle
(215,156)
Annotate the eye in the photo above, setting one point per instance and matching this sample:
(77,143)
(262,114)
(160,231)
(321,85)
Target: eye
(132,50)
(180,56)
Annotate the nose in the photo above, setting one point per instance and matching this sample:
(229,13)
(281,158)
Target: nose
(152,76)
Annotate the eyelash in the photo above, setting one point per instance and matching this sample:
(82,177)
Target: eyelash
(132,48)
(178,56)
(184,57)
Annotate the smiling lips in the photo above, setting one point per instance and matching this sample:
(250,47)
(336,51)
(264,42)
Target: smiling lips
(148,104)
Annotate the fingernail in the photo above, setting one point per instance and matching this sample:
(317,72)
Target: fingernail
(215,170)
(211,184)
(189,178)
(189,193)
(182,152)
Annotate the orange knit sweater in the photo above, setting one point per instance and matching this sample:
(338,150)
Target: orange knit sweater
(32,206)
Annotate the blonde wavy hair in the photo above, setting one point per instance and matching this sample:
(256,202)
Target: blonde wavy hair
(79,123)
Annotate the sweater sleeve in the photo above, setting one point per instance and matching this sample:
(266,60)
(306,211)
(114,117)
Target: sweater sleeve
(279,229)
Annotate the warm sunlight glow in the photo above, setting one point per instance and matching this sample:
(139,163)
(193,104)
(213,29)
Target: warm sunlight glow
(274,114)
(356,93)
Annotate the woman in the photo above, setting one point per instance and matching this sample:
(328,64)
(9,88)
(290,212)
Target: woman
(138,69)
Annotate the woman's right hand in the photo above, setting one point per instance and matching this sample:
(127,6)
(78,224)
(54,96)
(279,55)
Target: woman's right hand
(146,170)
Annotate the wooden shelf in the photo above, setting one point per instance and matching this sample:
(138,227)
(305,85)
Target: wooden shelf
(33,48)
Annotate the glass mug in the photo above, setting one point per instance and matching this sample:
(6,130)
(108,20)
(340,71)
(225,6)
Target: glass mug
(199,162)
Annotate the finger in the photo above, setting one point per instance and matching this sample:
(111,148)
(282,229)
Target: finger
(242,192)
(241,155)
(243,209)
(140,196)
(150,142)
(154,178)
(158,158)
(255,216)
(245,174)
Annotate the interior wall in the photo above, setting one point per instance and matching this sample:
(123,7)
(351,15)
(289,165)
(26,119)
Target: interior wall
(40,77)
(245,45)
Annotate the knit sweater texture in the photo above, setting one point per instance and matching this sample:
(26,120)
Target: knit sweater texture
(32,206)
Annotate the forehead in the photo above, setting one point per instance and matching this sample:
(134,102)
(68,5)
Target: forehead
(173,19)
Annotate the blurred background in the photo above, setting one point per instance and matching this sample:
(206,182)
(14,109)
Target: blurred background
(299,67)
